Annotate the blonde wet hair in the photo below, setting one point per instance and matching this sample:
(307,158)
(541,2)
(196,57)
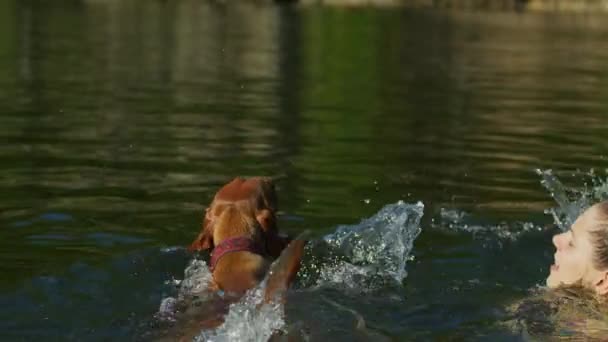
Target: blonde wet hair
(599,236)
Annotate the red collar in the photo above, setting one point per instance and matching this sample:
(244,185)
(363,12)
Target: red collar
(237,244)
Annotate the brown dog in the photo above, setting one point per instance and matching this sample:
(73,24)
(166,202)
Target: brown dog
(192,319)
(255,196)
(240,226)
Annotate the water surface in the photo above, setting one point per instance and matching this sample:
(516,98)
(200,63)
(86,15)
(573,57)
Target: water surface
(121,118)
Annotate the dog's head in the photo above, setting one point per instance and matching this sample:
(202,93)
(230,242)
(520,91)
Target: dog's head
(254,198)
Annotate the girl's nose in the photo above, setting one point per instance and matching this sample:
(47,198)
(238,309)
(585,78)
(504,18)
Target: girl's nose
(557,240)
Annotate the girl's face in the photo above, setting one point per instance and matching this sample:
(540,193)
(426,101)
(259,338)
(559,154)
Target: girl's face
(574,254)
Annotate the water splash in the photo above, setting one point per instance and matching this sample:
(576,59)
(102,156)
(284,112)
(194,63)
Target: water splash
(455,220)
(452,217)
(572,200)
(363,256)
(249,320)
(197,278)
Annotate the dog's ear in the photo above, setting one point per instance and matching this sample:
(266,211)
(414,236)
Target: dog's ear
(267,220)
(275,243)
(204,240)
(265,204)
(267,194)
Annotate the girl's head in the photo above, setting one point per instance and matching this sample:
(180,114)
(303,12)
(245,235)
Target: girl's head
(581,255)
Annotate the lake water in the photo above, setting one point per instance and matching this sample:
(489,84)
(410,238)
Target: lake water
(120,119)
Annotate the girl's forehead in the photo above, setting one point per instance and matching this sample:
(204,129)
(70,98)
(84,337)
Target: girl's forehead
(585,222)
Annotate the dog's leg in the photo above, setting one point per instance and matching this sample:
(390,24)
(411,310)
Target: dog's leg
(283,271)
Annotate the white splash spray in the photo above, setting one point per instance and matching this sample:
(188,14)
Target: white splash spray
(573,199)
(362,257)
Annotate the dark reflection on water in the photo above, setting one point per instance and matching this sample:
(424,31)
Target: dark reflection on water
(120,119)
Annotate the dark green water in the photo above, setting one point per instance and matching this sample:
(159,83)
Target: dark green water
(120,119)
